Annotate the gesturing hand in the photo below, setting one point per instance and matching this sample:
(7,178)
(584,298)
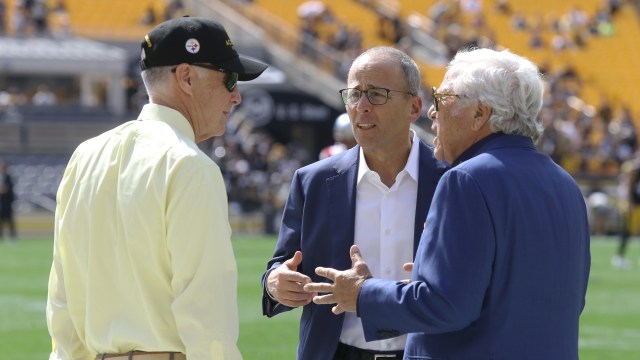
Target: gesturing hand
(285,283)
(408,267)
(346,284)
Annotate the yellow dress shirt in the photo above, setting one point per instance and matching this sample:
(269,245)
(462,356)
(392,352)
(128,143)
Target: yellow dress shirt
(142,255)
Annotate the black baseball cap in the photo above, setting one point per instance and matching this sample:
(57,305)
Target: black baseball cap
(195,40)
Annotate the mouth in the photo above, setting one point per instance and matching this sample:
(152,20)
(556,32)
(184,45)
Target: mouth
(365,126)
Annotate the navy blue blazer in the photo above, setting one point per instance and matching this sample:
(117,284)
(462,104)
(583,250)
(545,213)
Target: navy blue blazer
(502,268)
(318,219)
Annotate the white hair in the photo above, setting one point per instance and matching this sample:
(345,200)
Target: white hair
(510,84)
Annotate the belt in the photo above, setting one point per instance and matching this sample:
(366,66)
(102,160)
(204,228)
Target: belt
(348,352)
(143,355)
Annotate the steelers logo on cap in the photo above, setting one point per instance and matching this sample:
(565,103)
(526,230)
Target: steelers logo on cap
(192,46)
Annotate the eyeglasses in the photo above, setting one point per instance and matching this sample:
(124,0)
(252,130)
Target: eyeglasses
(230,78)
(376,96)
(437,96)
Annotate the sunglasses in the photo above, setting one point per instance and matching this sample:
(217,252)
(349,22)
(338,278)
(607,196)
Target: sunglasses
(230,79)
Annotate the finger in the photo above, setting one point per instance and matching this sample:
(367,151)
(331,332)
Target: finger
(408,267)
(295,303)
(324,299)
(285,280)
(296,300)
(329,273)
(292,291)
(406,281)
(337,310)
(293,263)
(318,288)
(294,277)
(356,256)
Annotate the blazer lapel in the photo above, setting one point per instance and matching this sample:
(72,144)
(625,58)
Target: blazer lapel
(342,206)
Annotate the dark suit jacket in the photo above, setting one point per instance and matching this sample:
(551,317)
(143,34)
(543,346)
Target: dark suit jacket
(502,267)
(319,220)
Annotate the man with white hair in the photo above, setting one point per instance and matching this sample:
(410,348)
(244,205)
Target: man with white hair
(502,268)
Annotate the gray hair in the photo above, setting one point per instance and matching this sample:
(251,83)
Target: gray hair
(408,66)
(510,84)
(155,77)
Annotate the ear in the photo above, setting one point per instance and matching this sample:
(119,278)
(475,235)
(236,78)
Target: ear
(416,108)
(184,75)
(481,117)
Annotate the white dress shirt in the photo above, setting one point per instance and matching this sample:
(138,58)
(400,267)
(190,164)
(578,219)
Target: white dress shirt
(384,224)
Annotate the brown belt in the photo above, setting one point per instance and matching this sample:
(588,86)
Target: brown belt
(143,355)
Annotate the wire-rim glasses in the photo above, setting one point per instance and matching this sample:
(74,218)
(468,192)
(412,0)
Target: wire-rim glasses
(437,96)
(375,95)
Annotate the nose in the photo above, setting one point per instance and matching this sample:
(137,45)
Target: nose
(236,98)
(363,105)
(431,113)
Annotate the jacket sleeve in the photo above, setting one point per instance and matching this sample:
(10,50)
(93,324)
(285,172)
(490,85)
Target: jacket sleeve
(288,242)
(451,272)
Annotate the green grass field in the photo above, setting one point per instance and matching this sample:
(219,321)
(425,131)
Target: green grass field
(610,324)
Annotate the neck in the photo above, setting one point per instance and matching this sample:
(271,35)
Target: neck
(388,164)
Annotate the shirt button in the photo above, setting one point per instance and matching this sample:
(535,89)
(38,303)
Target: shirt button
(387,232)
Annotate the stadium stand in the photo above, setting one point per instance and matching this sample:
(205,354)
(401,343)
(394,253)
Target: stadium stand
(588,132)
(590,126)
(99,19)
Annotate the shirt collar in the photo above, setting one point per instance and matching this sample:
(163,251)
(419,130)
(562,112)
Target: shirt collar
(169,116)
(411,166)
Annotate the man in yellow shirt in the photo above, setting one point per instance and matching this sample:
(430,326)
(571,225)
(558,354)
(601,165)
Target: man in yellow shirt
(143,266)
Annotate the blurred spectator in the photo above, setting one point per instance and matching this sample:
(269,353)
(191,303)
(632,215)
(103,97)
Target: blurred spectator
(39,17)
(390,25)
(44,96)
(60,6)
(600,211)
(502,7)
(61,20)
(471,7)
(149,16)
(614,5)
(442,11)
(309,36)
(20,20)
(13,96)
(518,21)
(173,9)
(536,41)
(630,208)
(6,202)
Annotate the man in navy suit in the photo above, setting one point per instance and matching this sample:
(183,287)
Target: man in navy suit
(375,194)
(502,268)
